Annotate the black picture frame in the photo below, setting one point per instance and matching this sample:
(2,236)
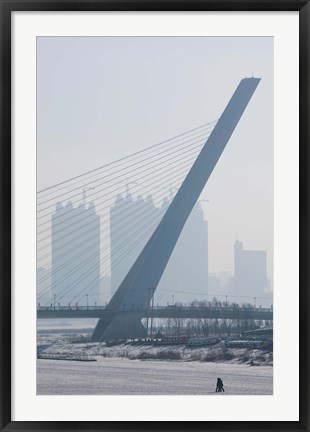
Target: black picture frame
(9,6)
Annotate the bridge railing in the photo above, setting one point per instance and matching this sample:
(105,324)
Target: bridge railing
(154,308)
(68,308)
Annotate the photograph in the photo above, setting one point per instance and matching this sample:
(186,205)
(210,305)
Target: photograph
(154,215)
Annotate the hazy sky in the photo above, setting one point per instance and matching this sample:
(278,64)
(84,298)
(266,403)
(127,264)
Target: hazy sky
(101,98)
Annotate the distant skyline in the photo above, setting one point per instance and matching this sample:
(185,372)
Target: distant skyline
(99,99)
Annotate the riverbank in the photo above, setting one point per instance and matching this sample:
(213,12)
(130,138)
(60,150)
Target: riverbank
(218,353)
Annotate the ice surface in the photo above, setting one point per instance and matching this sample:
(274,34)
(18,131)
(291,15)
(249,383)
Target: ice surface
(121,376)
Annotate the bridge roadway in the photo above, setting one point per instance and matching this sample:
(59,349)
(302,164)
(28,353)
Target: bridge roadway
(158,312)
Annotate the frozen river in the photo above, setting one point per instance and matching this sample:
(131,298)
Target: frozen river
(121,376)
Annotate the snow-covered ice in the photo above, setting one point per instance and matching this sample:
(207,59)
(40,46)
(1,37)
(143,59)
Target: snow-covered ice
(122,376)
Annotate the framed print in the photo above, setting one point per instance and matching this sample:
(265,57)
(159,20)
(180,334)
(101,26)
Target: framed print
(154,215)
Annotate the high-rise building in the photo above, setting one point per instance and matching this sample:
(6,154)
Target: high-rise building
(250,275)
(75,254)
(105,290)
(186,274)
(130,222)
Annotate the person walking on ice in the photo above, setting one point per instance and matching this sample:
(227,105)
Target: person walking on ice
(219,386)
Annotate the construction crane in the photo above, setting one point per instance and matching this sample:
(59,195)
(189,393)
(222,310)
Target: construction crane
(84,194)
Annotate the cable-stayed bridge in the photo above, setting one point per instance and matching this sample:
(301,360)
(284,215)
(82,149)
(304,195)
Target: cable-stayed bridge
(184,163)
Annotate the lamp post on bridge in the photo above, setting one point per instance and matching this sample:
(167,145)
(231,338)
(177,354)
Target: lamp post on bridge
(150,307)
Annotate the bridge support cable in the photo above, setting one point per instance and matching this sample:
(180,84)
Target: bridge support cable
(174,178)
(85,177)
(131,171)
(181,161)
(141,235)
(142,219)
(148,182)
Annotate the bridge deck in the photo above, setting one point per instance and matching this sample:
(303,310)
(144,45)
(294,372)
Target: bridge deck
(158,312)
